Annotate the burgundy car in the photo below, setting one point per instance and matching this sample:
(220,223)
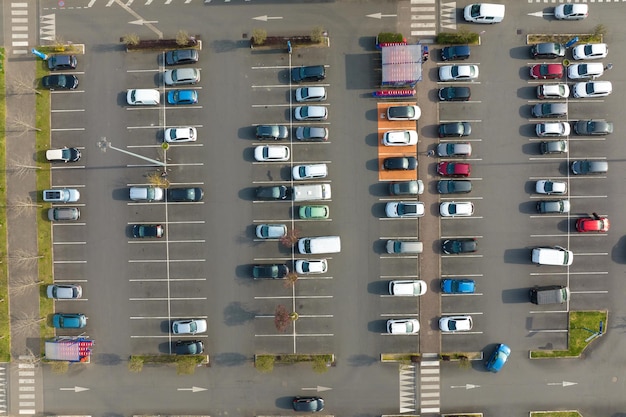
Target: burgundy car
(454,169)
(546,71)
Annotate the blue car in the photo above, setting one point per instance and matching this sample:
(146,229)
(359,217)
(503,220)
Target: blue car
(498,358)
(458,286)
(69,321)
(177,97)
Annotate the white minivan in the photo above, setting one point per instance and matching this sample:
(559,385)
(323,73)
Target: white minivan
(556,255)
(322,244)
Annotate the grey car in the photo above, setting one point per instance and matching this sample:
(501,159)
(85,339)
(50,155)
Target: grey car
(455,129)
(593,127)
(547,50)
(549,110)
(312,133)
(553,146)
(413,187)
(274,132)
(58,214)
(181,76)
(553,206)
(181,57)
(587,167)
(454,149)
(454,186)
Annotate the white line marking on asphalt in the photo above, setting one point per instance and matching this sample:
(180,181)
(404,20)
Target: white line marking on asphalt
(69,262)
(547,330)
(69,129)
(166,336)
(137,261)
(163,317)
(143,70)
(398,314)
(397,276)
(168,299)
(570,273)
(67,110)
(296,335)
(291,297)
(590,292)
(68,224)
(461,275)
(69,243)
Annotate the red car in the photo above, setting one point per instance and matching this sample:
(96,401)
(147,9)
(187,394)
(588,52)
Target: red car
(546,71)
(454,169)
(593,224)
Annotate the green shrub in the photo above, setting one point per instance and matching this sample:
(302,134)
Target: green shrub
(259,36)
(388,37)
(461,37)
(264,363)
(317,34)
(186,365)
(135,364)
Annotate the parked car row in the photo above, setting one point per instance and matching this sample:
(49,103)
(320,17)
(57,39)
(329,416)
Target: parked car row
(301,191)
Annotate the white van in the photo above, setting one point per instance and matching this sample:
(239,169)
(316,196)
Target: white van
(404,246)
(484,13)
(322,244)
(311,192)
(309,172)
(552,256)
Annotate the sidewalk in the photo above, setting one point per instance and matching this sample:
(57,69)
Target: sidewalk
(22,224)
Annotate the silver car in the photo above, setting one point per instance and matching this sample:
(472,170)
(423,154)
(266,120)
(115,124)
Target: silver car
(181,76)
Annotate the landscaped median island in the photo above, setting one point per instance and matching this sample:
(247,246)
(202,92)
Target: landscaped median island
(463,358)
(183,40)
(584,327)
(185,364)
(596,37)
(320,362)
(317,38)
(5,341)
(570,413)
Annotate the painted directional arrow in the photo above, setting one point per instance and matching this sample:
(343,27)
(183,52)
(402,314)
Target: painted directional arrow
(540,14)
(563,384)
(466,386)
(266,18)
(75,389)
(380,15)
(142,22)
(192,389)
(318,389)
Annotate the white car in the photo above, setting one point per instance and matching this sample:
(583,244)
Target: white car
(181,76)
(569,11)
(143,97)
(590,51)
(458,72)
(589,70)
(456,324)
(551,187)
(180,134)
(552,129)
(311,266)
(552,91)
(593,89)
(405,209)
(310,94)
(271,231)
(191,326)
(270,153)
(64,291)
(409,287)
(400,138)
(456,208)
(403,326)
(310,113)
(308,172)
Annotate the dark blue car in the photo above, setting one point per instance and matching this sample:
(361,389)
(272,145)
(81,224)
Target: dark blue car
(498,358)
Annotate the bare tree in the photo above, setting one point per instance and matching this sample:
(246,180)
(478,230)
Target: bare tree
(21,168)
(23,258)
(30,357)
(25,324)
(158,179)
(20,125)
(21,205)
(23,284)
(19,85)
(290,279)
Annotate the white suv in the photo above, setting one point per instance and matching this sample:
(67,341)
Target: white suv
(143,97)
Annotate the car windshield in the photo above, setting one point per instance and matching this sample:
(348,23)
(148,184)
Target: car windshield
(452,208)
(568,8)
(452,325)
(407,209)
(544,70)
(455,71)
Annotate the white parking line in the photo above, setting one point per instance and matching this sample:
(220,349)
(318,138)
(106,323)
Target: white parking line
(397,276)
(167,280)
(460,275)
(168,299)
(398,314)
(159,127)
(68,167)
(296,335)
(163,317)
(69,243)
(290,297)
(133,261)
(548,330)
(202,336)
(275,259)
(144,70)
(68,224)
(459,333)
(399,257)
(69,262)
(461,256)
(570,273)
(70,280)
(463,294)
(67,111)
(68,129)
(590,292)
(588,196)
(464,198)
(287,86)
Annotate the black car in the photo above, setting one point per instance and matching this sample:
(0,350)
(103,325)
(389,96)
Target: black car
(400,163)
(310,404)
(270,271)
(413,187)
(454,129)
(553,206)
(548,50)
(455,93)
(275,132)
(312,133)
(456,246)
(62,62)
(306,74)
(188,347)
(593,127)
(454,186)
(455,52)
(181,57)
(185,194)
(276,192)
(67,82)
(142,231)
